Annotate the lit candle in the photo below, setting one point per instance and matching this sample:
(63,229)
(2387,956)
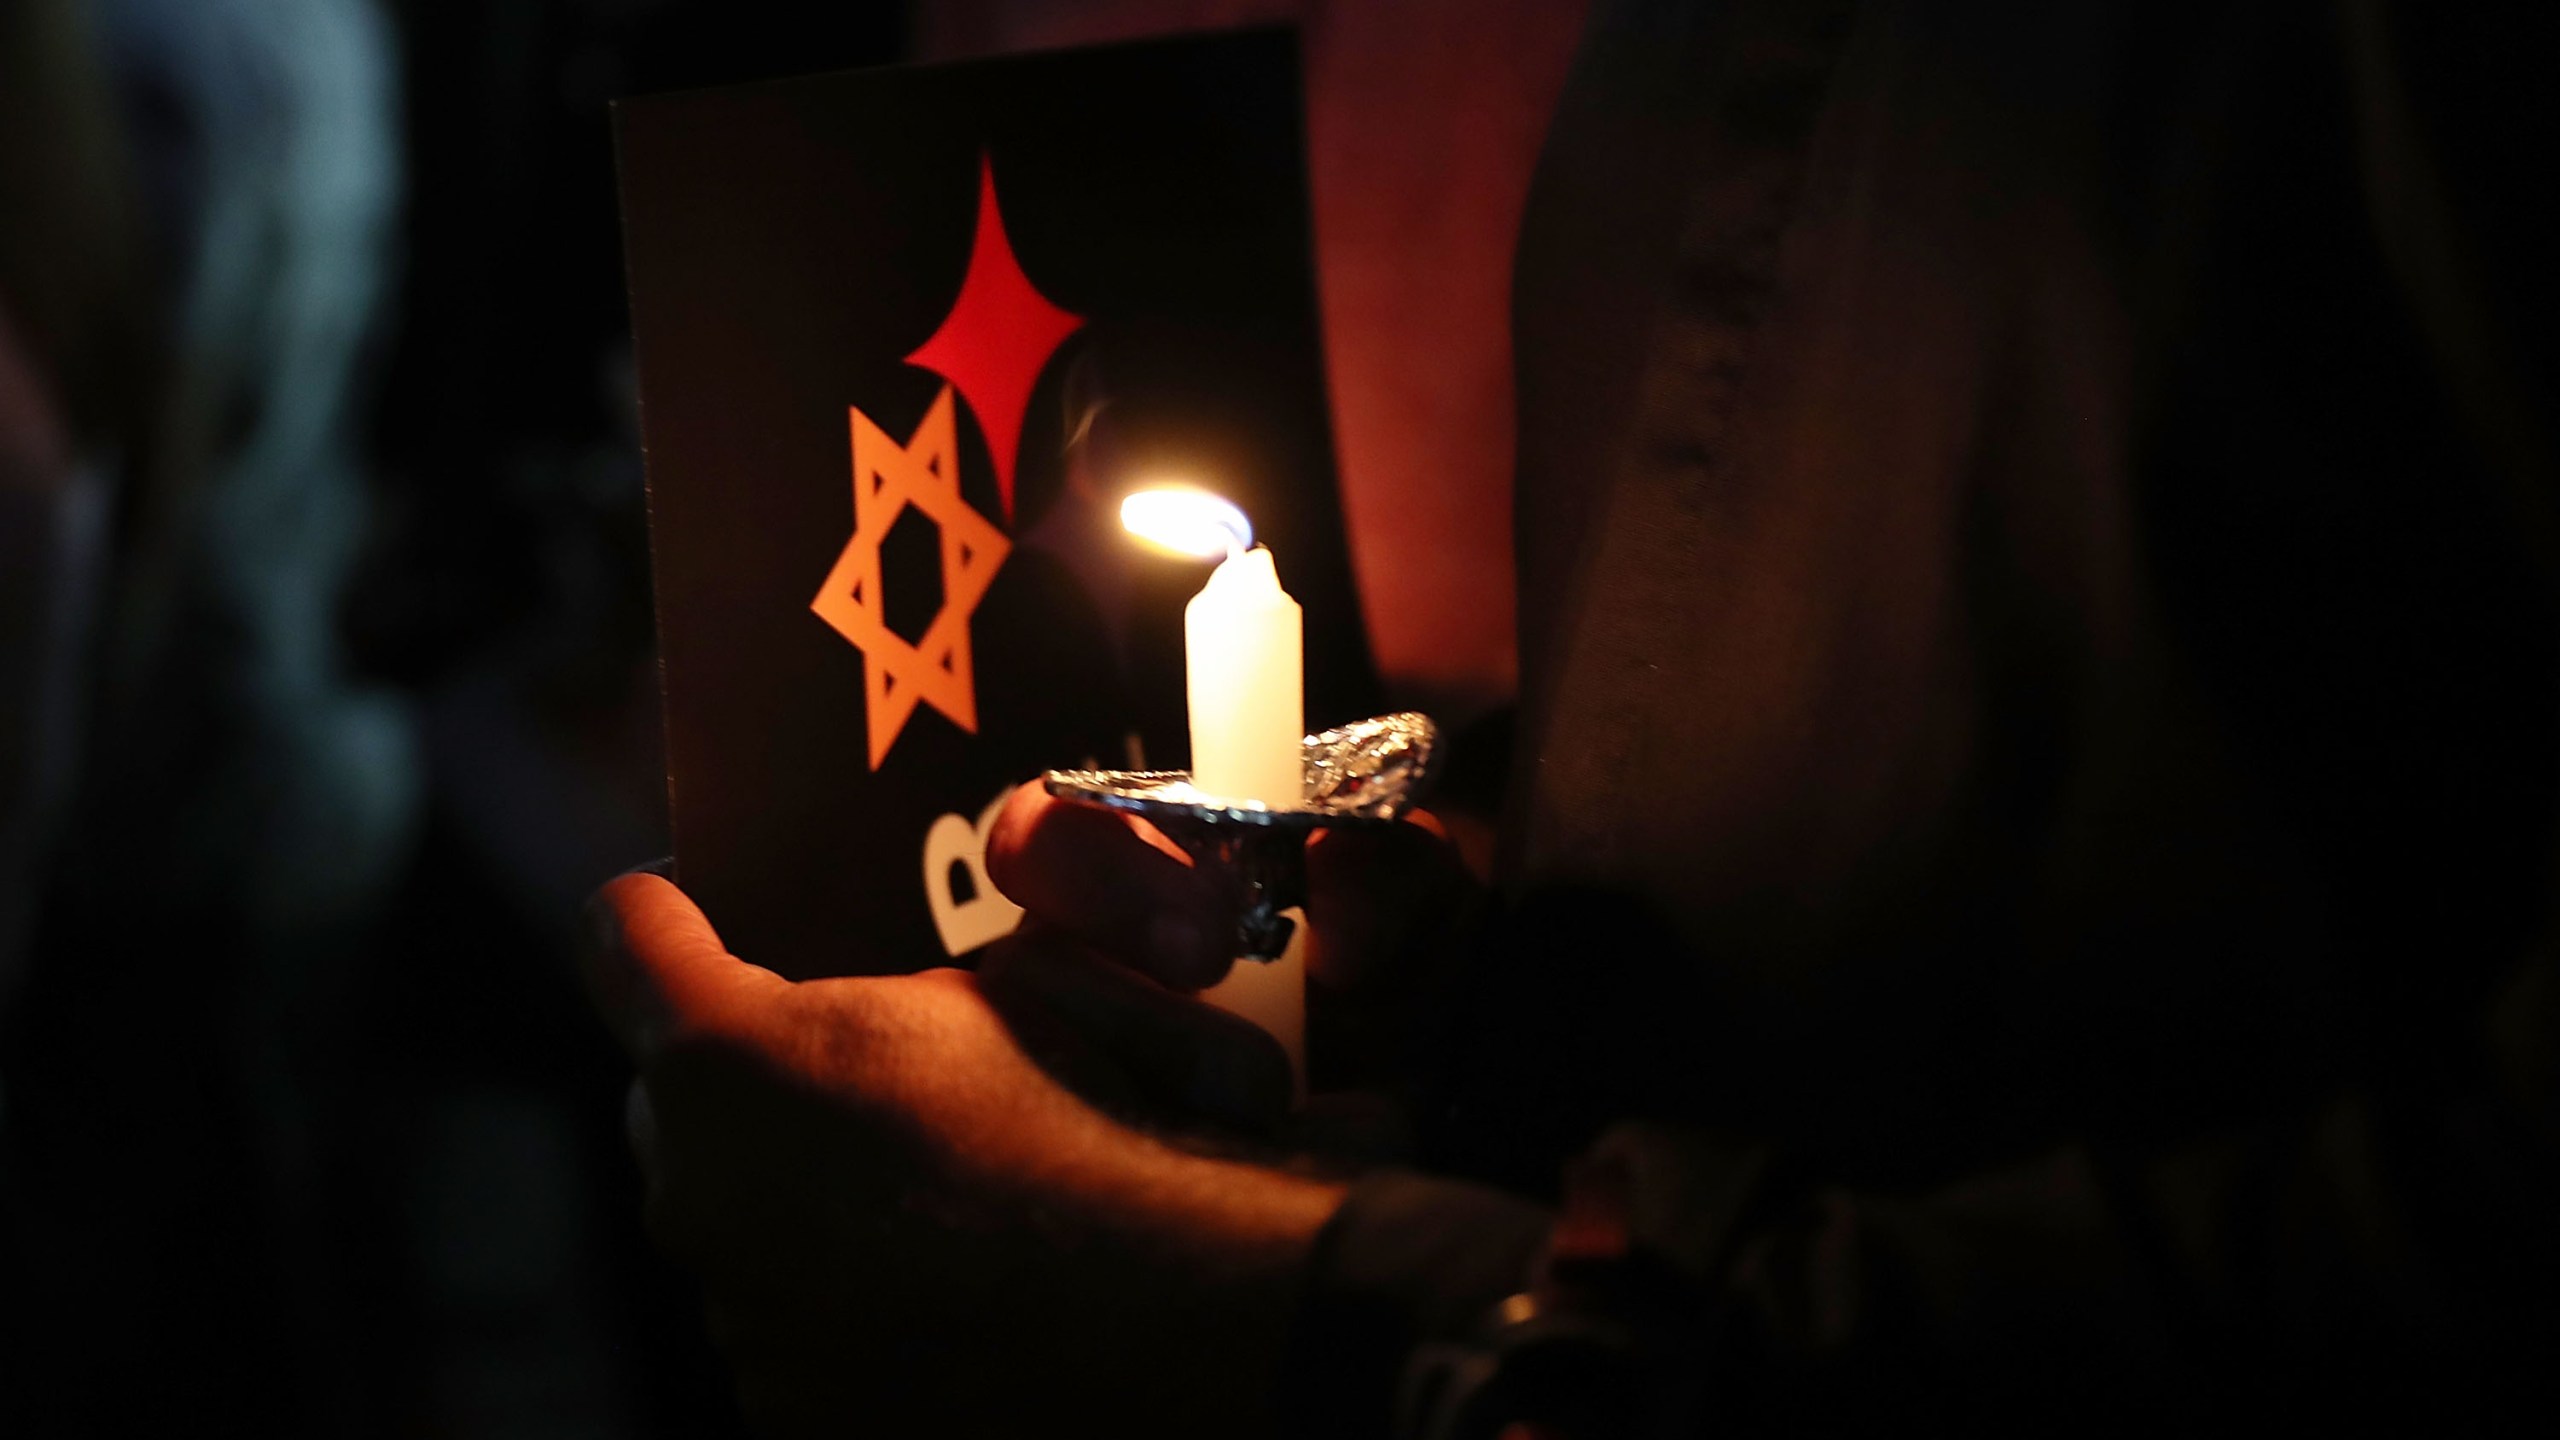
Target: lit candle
(1245,658)
(1241,637)
(1242,641)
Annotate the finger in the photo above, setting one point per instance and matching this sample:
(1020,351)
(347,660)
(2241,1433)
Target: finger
(1102,878)
(1372,893)
(1180,1049)
(654,966)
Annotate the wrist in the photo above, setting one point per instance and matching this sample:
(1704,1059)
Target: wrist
(1211,1258)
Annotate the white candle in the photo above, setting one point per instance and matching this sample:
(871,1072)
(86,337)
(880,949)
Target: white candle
(1241,634)
(1242,638)
(1273,995)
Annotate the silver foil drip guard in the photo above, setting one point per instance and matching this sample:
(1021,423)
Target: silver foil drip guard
(1371,772)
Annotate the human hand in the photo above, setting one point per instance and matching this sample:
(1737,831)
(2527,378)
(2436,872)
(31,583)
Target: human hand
(902,1221)
(1116,884)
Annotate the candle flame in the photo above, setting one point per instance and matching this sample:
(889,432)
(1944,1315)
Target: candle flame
(1187,522)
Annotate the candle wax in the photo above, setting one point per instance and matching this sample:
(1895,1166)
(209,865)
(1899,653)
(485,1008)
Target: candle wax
(1248,712)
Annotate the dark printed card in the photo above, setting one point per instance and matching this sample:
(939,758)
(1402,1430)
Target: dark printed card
(906,337)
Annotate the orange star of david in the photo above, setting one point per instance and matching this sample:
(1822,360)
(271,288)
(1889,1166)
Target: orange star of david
(887,477)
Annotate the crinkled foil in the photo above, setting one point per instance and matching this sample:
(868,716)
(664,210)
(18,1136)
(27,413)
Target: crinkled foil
(1368,773)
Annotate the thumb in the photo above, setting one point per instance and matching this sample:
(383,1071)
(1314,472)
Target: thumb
(1174,1045)
(654,967)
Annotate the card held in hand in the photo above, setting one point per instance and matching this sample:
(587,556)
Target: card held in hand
(905,339)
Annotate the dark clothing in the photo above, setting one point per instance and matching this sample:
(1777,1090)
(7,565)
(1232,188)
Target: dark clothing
(2036,764)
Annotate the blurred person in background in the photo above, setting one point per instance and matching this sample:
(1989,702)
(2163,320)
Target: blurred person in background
(214,809)
(324,693)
